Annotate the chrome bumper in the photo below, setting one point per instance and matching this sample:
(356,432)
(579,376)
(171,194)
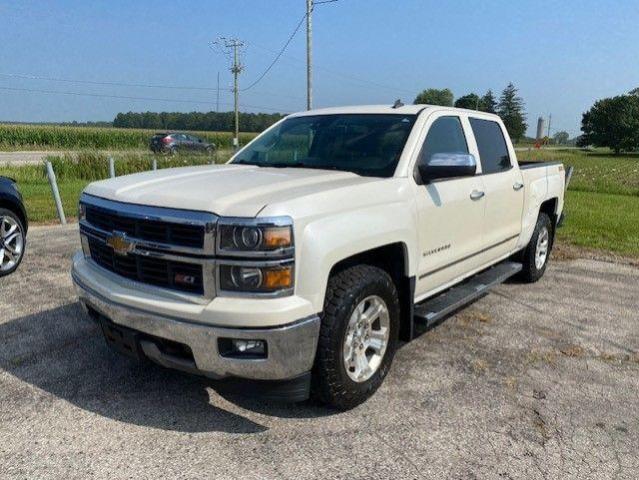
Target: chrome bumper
(290,348)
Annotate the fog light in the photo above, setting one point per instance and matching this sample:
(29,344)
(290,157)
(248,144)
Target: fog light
(251,346)
(84,241)
(242,348)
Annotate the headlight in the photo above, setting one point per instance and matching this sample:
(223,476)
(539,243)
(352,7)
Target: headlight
(257,256)
(256,278)
(82,212)
(252,237)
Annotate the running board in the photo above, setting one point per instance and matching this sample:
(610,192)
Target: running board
(434,309)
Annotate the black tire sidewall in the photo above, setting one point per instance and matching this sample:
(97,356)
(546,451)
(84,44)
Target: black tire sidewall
(531,272)
(370,281)
(9,213)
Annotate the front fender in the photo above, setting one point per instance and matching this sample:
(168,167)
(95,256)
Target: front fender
(329,240)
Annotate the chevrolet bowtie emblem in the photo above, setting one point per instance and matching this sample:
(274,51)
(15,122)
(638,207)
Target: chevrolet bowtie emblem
(119,243)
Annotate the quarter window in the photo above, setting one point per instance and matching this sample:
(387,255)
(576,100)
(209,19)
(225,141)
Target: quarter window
(493,152)
(444,136)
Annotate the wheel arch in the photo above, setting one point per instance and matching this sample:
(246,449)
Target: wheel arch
(393,258)
(549,207)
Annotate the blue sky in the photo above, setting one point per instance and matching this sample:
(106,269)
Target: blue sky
(561,55)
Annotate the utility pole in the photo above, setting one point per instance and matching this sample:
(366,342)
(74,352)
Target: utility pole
(217,98)
(231,46)
(549,120)
(309,55)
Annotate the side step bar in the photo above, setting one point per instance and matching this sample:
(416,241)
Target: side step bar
(434,309)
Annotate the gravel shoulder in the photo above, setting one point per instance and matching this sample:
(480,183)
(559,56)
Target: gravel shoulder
(532,381)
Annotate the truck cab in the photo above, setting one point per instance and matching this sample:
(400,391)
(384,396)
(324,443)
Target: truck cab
(297,267)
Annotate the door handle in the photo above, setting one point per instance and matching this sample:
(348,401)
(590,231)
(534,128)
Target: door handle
(476,195)
(518,186)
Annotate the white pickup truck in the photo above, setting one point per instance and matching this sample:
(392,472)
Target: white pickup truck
(298,266)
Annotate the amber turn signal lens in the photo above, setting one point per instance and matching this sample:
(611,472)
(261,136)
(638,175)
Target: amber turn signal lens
(277,237)
(277,278)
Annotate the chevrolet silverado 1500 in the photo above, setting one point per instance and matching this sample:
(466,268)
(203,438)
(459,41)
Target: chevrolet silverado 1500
(300,264)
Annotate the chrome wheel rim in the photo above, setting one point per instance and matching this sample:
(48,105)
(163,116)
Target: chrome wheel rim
(366,338)
(11,243)
(541,252)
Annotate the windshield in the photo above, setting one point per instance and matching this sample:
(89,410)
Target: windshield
(366,144)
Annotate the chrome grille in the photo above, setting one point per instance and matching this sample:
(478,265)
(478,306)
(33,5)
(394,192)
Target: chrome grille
(150,230)
(169,248)
(154,271)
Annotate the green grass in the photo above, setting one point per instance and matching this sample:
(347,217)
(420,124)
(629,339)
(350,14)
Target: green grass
(602,221)
(597,171)
(602,204)
(51,137)
(75,172)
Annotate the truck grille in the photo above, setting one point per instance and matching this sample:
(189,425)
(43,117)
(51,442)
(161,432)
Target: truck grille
(182,235)
(181,276)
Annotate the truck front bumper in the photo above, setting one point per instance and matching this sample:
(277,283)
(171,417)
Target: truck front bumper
(290,348)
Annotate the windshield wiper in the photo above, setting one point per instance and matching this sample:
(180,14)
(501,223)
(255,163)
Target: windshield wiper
(301,165)
(243,162)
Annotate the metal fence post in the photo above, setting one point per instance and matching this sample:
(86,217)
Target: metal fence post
(111,167)
(56,193)
(155,164)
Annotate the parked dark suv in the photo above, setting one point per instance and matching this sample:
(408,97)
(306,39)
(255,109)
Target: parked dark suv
(179,142)
(13,226)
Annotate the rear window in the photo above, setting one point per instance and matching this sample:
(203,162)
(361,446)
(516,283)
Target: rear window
(493,151)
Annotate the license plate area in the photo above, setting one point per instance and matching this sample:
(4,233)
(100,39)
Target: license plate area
(122,340)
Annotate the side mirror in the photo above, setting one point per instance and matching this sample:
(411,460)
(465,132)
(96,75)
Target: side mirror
(446,165)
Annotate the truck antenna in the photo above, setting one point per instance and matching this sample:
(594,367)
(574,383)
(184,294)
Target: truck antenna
(398,103)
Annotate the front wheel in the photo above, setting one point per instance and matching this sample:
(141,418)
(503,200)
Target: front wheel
(12,242)
(358,336)
(535,256)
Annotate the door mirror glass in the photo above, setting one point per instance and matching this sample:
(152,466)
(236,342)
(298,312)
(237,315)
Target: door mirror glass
(447,165)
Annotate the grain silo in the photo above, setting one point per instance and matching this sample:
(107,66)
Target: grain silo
(541,128)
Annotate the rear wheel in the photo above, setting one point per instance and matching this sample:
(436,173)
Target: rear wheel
(12,242)
(358,336)
(535,256)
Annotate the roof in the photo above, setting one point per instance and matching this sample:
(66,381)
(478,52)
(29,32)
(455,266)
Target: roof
(377,109)
(405,110)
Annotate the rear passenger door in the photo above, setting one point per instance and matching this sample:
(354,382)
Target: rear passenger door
(504,189)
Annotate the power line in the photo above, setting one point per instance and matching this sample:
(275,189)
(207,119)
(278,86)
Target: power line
(90,82)
(279,54)
(127,97)
(136,85)
(343,75)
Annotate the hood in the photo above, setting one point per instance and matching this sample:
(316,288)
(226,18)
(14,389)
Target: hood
(226,190)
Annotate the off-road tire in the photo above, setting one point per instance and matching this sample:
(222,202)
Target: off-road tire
(530,273)
(346,289)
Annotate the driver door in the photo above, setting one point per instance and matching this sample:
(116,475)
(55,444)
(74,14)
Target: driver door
(450,212)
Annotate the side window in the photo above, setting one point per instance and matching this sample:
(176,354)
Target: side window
(445,135)
(493,152)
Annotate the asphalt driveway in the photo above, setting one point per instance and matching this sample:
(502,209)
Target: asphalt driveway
(531,381)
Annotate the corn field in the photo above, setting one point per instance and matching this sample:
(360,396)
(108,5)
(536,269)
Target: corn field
(45,137)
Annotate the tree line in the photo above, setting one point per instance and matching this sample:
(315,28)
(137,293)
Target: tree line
(613,123)
(203,121)
(510,106)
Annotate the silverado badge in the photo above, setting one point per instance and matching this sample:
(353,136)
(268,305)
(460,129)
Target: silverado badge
(119,243)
